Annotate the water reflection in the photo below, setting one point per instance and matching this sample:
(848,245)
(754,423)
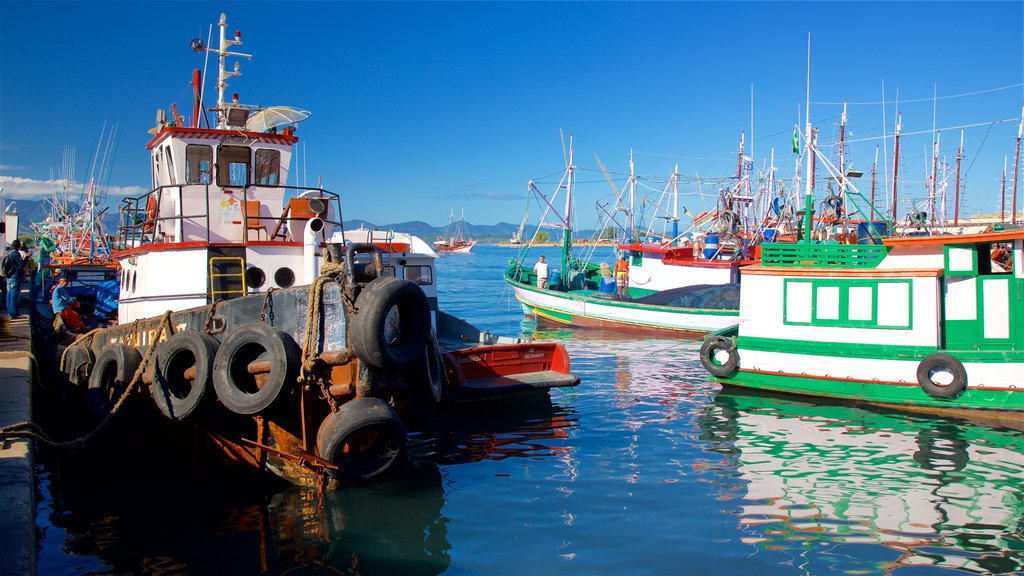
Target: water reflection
(826,483)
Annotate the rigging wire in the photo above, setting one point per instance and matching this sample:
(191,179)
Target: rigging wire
(931,99)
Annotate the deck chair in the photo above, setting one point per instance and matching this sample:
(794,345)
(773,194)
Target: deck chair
(297,209)
(253,221)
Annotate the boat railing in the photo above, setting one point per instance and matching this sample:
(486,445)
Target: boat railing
(142,221)
(822,255)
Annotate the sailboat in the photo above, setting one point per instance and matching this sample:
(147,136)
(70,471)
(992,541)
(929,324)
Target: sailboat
(456,239)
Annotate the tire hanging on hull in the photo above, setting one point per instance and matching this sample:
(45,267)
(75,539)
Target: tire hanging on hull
(114,369)
(177,396)
(365,438)
(241,391)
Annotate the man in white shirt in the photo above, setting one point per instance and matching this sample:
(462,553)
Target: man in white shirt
(541,268)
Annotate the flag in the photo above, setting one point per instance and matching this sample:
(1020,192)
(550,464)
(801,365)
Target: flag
(796,142)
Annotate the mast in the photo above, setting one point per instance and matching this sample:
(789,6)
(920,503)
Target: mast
(632,195)
(935,178)
(1002,195)
(874,172)
(222,74)
(567,234)
(809,200)
(956,201)
(896,165)
(842,154)
(675,202)
(1016,165)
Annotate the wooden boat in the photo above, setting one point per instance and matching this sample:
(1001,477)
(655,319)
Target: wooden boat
(930,324)
(248,314)
(456,239)
(675,292)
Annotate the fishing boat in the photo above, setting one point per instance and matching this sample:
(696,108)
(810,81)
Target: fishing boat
(926,323)
(456,239)
(71,239)
(249,315)
(700,299)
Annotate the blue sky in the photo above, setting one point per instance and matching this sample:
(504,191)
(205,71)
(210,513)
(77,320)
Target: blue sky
(420,108)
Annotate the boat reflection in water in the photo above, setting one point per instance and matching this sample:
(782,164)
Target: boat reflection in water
(139,517)
(829,484)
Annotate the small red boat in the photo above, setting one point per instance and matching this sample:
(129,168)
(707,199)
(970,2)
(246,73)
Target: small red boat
(495,371)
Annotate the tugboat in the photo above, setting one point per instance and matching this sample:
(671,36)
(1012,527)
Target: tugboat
(247,311)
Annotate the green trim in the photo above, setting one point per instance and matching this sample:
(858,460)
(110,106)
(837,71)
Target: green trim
(871,351)
(973,248)
(804,255)
(844,286)
(876,392)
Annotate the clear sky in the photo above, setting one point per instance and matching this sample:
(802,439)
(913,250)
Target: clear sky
(421,108)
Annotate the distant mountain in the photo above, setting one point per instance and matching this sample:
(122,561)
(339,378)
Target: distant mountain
(32,211)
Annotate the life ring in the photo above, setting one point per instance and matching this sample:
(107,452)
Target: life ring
(710,357)
(114,369)
(940,363)
(364,439)
(76,363)
(392,323)
(241,391)
(150,221)
(177,396)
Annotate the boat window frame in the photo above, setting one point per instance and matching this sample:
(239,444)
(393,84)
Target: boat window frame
(226,162)
(418,279)
(169,161)
(195,164)
(273,176)
(843,299)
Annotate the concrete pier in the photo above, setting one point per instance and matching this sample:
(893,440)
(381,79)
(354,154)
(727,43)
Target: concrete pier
(17,482)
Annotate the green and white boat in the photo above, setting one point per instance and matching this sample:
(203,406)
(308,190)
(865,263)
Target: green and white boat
(932,323)
(703,298)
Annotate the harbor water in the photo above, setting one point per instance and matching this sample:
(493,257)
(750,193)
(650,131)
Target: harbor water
(646,467)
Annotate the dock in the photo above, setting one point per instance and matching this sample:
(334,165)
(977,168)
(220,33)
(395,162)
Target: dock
(17,482)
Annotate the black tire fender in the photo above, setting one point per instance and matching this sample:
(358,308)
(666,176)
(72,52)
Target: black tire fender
(245,393)
(435,373)
(941,362)
(392,325)
(114,369)
(77,364)
(365,438)
(176,396)
(709,353)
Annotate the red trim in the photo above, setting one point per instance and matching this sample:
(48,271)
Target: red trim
(214,134)
(169,246)
(649,248)
(955,239)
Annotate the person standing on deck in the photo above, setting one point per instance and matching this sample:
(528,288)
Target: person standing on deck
(622,277)
(66,306)
(541,269)
(14,270)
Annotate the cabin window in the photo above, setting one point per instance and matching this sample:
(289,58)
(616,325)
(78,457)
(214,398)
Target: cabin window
(233,166)
(419,274)
(388,271)
(1000,258)
(171,177)
(268,167)
(156,171)
(198,163)
(884,304)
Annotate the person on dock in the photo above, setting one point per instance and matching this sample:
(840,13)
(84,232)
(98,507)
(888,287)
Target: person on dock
(65,306)
(541,269)
(13,268)
(622,277)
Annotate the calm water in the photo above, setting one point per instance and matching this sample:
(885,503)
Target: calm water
(645,468)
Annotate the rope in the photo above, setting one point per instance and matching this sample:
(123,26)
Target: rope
(310,339)
(31,431)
